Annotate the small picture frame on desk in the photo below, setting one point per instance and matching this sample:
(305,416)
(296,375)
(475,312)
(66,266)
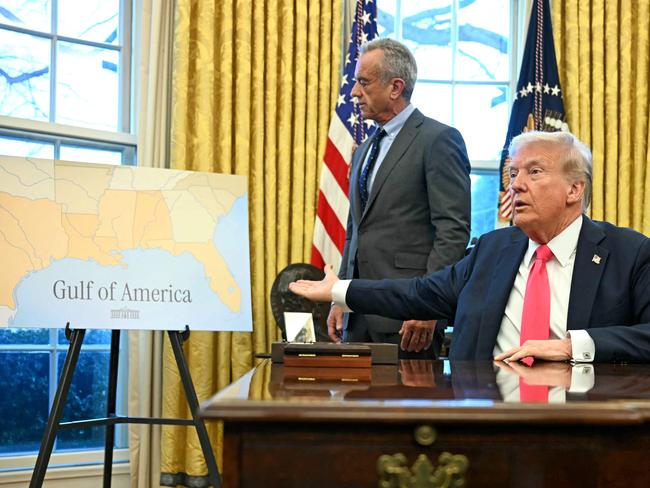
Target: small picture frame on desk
(299,327)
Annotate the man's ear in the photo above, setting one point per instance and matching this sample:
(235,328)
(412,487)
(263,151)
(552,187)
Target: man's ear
(576,191)
(397,88)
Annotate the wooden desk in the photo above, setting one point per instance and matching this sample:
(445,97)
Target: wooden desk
(280,432)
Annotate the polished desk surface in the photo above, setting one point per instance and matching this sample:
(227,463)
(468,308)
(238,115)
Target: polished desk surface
(440,390)
(344,431)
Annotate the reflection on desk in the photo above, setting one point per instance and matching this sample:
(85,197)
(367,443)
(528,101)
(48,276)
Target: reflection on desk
(328,429)
(460,380)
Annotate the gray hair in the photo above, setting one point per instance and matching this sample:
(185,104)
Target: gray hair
(398,62)
(576,160)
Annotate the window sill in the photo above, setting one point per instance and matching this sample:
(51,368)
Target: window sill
(63,130)
(65,466)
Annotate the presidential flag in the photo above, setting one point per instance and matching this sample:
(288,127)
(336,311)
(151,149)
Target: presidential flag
(538,100)
(347,130)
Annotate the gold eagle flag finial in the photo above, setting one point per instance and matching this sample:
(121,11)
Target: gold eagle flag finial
(530,123)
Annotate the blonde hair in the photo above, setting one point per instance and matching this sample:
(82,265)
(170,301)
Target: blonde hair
(575,159)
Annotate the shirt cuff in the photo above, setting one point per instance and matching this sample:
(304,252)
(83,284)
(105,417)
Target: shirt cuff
(339,290)
(582,378)
(582,345)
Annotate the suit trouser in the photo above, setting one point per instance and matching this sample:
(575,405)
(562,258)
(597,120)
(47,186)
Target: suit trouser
(360,329)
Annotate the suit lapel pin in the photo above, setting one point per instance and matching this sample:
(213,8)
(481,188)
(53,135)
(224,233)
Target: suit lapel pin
(596,259)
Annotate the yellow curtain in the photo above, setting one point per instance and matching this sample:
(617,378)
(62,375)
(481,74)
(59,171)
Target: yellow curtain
(154,21)
(254,85)
(604,62)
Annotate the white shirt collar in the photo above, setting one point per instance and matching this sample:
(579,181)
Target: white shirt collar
(562,245)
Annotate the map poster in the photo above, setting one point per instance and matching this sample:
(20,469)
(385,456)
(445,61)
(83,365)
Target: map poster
(120,247)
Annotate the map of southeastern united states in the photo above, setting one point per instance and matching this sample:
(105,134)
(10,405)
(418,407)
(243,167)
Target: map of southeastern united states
(27,244)
(91,219)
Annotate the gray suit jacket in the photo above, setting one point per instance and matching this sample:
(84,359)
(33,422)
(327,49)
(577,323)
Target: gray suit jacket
(417,219)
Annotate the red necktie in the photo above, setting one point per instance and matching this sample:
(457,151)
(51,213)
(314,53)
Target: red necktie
(536,317)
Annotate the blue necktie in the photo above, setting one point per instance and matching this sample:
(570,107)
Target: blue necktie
(367,169)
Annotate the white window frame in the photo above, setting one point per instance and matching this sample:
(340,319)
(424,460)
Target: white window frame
(75,463)
(64,466)
(102,139)
(517,32)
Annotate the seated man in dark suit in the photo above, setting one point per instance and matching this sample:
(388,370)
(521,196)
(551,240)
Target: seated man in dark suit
(556,286)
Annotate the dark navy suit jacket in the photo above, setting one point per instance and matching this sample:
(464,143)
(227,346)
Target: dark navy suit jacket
(610,292)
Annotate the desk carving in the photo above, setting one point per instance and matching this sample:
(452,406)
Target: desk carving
(394,473)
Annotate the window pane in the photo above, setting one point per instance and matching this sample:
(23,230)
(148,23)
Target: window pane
(30,14)
(24,400)
(434,62)
(481,115)
(92,20)
(87,86)
(483,31)
(426,30)
(25,83)
(86,400)
(24,336)
(93,336)
(386,18)
(433,100)
(90,155)
(16,146)
(485,185)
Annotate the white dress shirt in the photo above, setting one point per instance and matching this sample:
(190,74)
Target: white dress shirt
(560,272)
(582,380)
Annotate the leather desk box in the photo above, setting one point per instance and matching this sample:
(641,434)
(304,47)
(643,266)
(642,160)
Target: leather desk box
(378,353)
(326,355)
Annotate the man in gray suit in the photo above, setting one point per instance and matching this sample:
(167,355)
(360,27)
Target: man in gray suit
(409,197)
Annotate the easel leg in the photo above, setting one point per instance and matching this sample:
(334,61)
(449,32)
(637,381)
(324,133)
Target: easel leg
(110,407)
(176,340)
(58,405)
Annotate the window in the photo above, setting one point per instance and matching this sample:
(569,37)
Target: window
(65,93)
(31,363)
(465,67)
(65,80)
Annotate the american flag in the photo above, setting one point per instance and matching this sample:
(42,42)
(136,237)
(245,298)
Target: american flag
(538,100)
(347,130)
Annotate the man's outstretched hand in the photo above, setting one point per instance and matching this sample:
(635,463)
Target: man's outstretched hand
(316,291)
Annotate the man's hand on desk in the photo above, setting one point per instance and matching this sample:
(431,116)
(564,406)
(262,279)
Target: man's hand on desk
(417,335)
(541,373)
(335,323)
(316,291)
(549,350)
